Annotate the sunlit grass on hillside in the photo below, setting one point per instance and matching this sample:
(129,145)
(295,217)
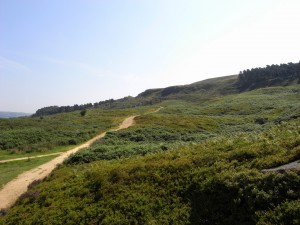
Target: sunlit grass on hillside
(11,170)
(184,123)
(6,155)
(99,119)
(40,134)
(218,181)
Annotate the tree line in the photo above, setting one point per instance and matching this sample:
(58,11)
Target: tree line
(50,110)
(126,102)
(270,75)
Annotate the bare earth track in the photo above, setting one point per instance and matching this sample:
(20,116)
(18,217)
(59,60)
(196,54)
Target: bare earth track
(58,153)
(13,189)
(31,157)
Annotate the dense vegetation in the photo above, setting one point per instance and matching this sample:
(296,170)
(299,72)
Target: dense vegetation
(44,133)
(197,161)
(283,74)
(217,182)
(123,103)
(50,110)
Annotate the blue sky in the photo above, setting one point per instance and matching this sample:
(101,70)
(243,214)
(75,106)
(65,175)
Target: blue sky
(65,52)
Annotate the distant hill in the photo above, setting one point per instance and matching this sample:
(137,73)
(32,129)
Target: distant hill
(13,114)
(269,76)
(202,90)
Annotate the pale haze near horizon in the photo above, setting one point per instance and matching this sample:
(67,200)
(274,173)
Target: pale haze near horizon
(75,52)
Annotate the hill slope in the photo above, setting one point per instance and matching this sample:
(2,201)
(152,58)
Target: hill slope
(270,76)
(13,114)
(197,161)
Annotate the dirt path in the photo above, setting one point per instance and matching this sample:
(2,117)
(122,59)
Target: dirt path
(125,124)
(290,166)
(157,110)
(13,189)
(29,157)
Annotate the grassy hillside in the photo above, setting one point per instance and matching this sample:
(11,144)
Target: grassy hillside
(197,161)
(202,90)
(182,123)
(269,76)
(9,171)
(213,183)
(40,134)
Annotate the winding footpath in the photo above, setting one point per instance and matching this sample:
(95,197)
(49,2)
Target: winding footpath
(13,189)
(29,157)
(55,153)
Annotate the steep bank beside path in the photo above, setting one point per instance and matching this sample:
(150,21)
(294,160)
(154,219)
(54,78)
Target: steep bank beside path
(13,189)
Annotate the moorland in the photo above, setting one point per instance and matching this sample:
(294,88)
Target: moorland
(198,160)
